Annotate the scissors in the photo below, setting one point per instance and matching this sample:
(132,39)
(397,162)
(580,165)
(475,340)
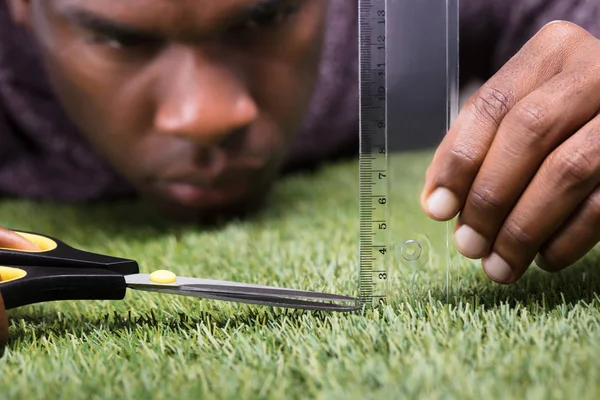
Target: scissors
(61,272)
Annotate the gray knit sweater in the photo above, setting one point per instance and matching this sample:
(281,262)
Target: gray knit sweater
(43,156)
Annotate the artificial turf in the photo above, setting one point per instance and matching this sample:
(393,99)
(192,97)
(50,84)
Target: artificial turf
(539,338)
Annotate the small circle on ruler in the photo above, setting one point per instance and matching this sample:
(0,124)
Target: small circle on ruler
(411,250)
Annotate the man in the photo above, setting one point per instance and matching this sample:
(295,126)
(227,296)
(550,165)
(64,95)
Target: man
(197,105)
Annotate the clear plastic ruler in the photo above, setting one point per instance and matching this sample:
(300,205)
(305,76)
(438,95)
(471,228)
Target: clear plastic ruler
(408,90)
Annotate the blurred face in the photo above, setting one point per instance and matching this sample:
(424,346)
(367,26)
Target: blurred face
(195,102)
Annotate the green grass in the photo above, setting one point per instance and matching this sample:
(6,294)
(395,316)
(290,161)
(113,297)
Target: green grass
(538,339)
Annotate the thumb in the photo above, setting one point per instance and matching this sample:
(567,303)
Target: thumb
(12,240)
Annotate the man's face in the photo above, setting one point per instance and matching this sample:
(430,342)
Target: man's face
(195,102)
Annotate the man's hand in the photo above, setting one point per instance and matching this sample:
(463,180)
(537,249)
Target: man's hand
(11,240)
(522,162)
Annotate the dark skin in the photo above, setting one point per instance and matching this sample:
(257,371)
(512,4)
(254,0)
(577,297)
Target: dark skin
(196,103)
(197,107)
(520,165)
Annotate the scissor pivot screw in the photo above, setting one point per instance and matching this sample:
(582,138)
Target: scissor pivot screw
(163,276)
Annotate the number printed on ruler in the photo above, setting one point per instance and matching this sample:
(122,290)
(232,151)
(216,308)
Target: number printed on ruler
(373,170)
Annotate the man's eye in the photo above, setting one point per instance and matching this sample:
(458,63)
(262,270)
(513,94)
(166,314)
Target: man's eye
(105,41)
(272,16)
(266,19)
(121,42)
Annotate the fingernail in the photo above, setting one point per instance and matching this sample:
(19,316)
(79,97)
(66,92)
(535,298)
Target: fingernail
(497,269)
(442,204)
(470,243)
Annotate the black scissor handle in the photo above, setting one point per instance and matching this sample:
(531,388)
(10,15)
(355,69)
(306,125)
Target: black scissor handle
(60,272)
(30,284)
(55,253)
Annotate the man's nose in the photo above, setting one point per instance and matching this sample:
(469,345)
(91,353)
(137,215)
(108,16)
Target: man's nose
(203,101)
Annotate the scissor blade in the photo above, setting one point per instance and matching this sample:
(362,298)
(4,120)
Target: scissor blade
(272,301)
(270,291)
(234,288)
(275,301)
(248,288)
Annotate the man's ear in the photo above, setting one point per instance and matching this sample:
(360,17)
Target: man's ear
(19,9)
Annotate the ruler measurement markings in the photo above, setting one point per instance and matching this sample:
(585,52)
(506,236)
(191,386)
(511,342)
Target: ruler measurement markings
(373,150)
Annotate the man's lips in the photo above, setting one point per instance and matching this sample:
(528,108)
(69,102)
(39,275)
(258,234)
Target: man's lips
(201,189)
(198,196)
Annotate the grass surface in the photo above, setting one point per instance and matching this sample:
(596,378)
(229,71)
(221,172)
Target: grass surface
(537,339)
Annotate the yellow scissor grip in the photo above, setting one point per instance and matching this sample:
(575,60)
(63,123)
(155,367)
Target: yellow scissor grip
(10,274)
(44,243)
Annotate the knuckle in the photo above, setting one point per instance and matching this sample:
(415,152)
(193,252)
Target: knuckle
(463,156)
(517,235)
(492,104)
(532,117)
(563,40)
(560,29)
(485,199)
(572,167)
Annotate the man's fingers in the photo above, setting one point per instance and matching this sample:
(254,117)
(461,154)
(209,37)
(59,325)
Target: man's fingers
(563,182)
(528,133)
(12,240)
(460,155)
(575,239)
(462,151)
